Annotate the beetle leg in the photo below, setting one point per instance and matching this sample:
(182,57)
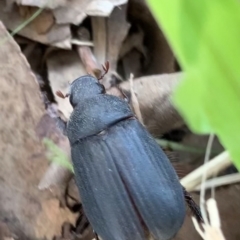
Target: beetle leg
(105,68)
(96,236)
(193,206)
(62,125)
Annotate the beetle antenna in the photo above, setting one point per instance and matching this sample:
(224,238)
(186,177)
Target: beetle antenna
(96,235)
(193,206)
(61,95)
(105,68)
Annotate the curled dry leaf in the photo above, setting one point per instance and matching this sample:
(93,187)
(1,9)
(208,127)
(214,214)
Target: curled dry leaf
(87,57)
(42,23)
(56,175)
(132,63)
(76,11)
(63,67)
(133,40)
(42,3)
(160,57)
(153,94)
(46,32)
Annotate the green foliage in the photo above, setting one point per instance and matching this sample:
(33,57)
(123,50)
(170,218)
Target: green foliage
(205,36)
(55,154)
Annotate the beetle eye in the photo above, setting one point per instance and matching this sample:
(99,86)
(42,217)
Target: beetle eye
(103,89)
(71,100)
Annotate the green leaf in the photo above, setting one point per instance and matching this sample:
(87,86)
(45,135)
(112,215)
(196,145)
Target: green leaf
(57,155)
(205,36)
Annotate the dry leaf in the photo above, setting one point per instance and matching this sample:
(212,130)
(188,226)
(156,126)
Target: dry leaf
(42,23)
(43,3)
(63,67)
(103,7)
(160,56)
(132,64)
(51,212)
(76,11)
(55,175)
(100,8)
(23,158)
(57,33)
(5,233)
(133,40)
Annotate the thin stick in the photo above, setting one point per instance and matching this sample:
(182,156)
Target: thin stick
(135,103)
(204,178)
(220,181)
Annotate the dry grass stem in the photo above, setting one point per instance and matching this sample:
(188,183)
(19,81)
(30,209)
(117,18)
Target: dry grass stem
(220,181)
(135,103)
(213,230)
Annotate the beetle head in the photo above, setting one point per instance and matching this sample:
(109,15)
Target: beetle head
(84,87)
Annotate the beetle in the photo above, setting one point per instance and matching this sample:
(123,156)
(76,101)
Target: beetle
(128,187)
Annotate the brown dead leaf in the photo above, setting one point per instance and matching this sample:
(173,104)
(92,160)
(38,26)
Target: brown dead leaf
(133,40)
(63,67)
(76,11)
(42,23)
(160,57)
(73,191)
(100,8)
(55,175)
(132,64)
(43,3)
(23,158)
(103,8)
(55,33)
(51,213)
(5,232)
(73,12)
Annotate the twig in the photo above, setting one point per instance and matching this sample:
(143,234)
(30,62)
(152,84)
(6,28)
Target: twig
(23,25)
(213,230)
(204,178)
(220,181)
(88,59)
